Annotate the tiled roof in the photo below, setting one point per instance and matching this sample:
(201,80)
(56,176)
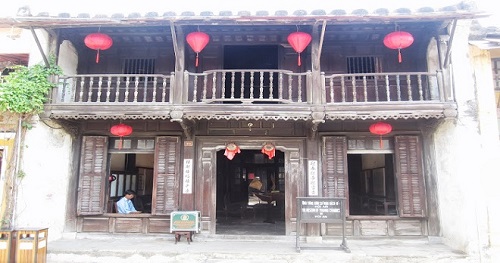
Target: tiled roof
(24,17)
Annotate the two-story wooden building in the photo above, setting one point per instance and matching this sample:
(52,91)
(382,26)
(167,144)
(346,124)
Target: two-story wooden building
(298,122)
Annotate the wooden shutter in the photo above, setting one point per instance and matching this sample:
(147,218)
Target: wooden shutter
(335,182)
(166,179)
(409,176)
(91,185)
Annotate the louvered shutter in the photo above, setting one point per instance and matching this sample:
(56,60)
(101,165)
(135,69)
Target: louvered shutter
(335,182)
(166,179)
(91,185)
(409,176)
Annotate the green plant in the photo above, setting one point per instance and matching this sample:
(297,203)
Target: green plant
(25,89)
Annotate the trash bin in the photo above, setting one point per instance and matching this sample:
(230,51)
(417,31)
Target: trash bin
(6,246)
(31,245)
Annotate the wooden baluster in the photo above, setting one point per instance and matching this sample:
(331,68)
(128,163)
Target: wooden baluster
(82,88)
(332,93)
(117,91)
(233,77)
(223,92)
(242,85)
(136,88)
(342,87)
(398,87)
(145,92)
(420,89)
(252,77)
(214,84)
(375,78)
(99,89)
(280,85)
(261,88)
(271,79)
(290,82)
(300,89)
(205,80)
(354,92)
(408,82)
(127,86)
(91,85)
(387,90)
(195,88)
(155,83)
(365,89)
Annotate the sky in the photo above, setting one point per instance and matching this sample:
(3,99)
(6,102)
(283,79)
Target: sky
(128,6)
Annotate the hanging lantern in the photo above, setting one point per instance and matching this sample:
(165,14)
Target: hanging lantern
(121,130)
(299,42)
(197,41)
(398,40)
(112,178)
(269,150)
(231,150)
(98,41)
(380,128)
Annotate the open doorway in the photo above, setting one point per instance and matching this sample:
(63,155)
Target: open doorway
(250,194)
(132,171)
(372,187)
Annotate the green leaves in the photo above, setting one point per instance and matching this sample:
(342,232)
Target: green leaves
(25,90)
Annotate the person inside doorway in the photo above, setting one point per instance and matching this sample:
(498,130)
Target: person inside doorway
(125,205)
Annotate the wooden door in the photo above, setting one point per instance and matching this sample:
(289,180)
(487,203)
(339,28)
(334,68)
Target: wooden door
(166,179)
(335,176)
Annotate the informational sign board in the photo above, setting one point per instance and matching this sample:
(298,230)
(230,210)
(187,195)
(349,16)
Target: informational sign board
(185,221)
(321,210)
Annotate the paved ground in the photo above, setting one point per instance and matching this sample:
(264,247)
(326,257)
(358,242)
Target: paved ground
(254,249)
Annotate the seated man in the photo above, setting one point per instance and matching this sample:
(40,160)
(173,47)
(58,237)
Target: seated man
(125,205)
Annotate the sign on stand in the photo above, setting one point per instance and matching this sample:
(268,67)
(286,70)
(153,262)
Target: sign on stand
(185,221)
(321,210)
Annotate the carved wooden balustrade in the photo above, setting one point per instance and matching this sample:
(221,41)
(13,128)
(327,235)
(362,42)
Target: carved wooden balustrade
(383,87)
(248,86)
(114,88)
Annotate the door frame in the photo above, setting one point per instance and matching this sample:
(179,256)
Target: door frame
(206,174)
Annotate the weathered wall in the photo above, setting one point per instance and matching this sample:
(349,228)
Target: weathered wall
(465,154)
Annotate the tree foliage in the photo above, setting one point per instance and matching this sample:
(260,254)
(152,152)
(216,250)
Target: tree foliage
(25,89)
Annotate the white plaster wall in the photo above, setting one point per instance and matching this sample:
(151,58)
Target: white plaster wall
(41,200)
(464,156)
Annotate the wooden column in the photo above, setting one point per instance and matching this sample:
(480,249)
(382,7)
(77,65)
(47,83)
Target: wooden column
(179,92)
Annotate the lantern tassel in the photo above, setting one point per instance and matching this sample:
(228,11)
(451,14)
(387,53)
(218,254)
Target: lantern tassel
(381,143)
(400,58)
(120,144)
(97,57)
(299,62)
(196,59)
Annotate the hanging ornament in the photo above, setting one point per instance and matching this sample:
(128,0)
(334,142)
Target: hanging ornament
(380,128)
(269,150)
(398,40)
(98,41)
(121,130)
(231,150)
(197,41)
(112,178)
(299,42)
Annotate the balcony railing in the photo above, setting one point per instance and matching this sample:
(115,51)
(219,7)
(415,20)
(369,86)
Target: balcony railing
(114,88)
(247,86)
(383,87)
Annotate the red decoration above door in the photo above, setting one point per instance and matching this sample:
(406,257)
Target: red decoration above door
(231,150)
(98,41)
(299,42)
(398,40)
(197,41)
(380,128)
(121,130)
(269,150)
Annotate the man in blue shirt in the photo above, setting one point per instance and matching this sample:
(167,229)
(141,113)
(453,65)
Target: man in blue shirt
(125,205)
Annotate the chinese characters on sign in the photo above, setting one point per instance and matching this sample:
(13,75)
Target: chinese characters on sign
(187,181)
(312,177)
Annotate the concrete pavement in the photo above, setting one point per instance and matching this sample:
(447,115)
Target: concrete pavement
(244,249)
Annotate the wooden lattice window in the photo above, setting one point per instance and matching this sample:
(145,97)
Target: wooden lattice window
(139,66)
(495,63)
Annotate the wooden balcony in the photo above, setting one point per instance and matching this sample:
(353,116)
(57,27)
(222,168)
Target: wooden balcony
(249,94)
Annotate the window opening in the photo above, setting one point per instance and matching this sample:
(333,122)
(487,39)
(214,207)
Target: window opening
(357,65)
(139,66)
(372,184)
(496,73)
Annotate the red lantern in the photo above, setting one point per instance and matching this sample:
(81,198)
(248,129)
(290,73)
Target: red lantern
(197,41)
(299,42)
(98,41)
(269,150)
(231,150)
(121,130)
(398,40)
(380,128)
